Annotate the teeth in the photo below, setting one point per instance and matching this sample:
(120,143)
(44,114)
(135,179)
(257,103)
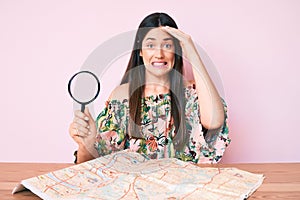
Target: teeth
(159,63)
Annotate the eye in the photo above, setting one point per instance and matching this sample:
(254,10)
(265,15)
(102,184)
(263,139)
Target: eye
(168,46)
(150,46)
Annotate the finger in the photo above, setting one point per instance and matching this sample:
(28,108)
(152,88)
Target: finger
(84,131)
(88,114)
(77,133)
(81,115)
(74,132)
(91,121)
(175,32)
(80,130)
(81,122)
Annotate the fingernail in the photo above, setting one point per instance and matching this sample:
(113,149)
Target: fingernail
(89,133)
(88,127)
(86,118)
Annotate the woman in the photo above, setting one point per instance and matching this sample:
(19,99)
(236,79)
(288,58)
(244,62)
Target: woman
(155,111)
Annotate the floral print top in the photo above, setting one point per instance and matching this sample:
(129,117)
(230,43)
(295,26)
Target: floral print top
(158,131)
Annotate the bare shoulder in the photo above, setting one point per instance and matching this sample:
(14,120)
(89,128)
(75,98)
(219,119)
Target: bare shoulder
(120,92)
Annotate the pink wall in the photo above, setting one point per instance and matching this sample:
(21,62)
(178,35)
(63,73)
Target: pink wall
(253,44)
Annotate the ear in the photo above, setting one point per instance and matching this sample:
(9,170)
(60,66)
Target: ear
(141,53)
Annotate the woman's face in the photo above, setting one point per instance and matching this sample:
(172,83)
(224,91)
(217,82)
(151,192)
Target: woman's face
(158,52)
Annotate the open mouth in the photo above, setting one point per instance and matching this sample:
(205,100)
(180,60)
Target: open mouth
(159,64)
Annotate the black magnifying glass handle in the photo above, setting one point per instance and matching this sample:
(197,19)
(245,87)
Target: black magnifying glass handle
(82,107)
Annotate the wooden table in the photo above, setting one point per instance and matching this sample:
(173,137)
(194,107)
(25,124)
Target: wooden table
(282,179)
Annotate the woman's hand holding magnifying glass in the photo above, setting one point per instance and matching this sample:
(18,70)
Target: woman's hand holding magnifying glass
(83,131)
(84,90)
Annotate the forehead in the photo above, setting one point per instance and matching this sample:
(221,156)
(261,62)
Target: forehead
(157,34)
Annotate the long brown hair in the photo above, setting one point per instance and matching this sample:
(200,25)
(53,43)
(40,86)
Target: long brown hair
(135,76)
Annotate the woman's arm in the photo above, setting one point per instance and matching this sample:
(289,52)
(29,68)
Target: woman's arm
(211,107)
(83,132)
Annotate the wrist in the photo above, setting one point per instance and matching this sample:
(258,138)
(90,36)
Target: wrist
(85,153)
(80,154)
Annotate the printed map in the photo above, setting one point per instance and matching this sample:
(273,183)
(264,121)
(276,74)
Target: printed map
(129,175)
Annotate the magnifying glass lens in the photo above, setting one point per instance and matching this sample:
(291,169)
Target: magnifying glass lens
(85,88)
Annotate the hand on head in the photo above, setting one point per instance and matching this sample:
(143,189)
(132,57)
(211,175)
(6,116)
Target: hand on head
(186,42)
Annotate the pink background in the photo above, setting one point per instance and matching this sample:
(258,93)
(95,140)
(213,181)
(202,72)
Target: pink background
(253,44)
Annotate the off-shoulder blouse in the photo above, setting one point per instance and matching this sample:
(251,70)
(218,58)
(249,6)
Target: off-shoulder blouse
(158,131)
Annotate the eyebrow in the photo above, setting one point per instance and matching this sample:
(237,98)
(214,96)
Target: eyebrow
(165,39)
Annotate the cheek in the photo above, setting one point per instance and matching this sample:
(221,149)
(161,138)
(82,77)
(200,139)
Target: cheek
(146,56)
(169,54)
(171,57)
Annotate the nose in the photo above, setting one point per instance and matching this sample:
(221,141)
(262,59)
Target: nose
(159,53)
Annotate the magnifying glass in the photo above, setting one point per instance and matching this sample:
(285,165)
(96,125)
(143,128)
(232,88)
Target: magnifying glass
(84,88)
